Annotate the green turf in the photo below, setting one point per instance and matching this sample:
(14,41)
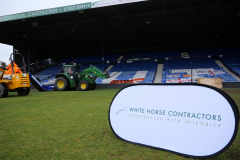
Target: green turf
(72,125)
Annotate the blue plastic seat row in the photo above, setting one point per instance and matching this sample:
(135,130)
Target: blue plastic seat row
(214,52)
(153,55)
(190,63)
(135,66)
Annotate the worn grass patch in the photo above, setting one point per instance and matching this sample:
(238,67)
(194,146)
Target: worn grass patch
(72,125)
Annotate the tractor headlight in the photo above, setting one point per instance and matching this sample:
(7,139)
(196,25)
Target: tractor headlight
(71,77)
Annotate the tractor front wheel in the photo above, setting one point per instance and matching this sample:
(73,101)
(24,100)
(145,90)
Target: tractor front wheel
(61,84)
(3,91)
(23,91)
(83,85)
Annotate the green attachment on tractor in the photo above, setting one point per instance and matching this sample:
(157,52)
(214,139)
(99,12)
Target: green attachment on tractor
(71,77)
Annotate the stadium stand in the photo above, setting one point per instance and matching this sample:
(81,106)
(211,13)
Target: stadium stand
(143,68)
(179,70)
(135,72)
(232,63)
(214,52)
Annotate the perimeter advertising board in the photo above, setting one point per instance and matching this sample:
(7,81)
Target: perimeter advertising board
(195,121)
(103,3)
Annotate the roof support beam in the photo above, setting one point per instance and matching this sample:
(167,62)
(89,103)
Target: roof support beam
(164,11)
(80,22)
(212,11)
(118,15)
(29,49)
(135,25)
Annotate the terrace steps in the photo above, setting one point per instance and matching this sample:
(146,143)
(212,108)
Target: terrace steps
(110,66)
(159,73)
(119,59)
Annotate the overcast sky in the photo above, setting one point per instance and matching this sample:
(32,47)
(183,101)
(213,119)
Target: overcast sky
(8,7)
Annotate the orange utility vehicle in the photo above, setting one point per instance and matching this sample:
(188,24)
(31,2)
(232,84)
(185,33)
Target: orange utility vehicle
(12,79)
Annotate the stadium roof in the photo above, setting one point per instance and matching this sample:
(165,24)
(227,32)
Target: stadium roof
(143,26)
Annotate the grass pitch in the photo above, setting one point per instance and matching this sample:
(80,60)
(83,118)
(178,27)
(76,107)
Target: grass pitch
(73,125)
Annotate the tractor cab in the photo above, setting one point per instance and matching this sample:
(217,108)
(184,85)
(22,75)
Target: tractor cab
(71,70)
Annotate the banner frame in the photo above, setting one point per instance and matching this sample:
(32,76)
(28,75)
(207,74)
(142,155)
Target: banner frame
(225,95)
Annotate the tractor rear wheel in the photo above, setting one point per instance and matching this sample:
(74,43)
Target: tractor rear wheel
(83,85)
(23,91)
(3,91)
(61,84)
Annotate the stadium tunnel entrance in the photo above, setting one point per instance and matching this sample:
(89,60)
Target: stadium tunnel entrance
(133,27)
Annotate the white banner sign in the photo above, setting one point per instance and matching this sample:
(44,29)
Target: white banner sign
(195,121)
(103,3)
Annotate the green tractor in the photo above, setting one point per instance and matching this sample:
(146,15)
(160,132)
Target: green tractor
(71,77)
